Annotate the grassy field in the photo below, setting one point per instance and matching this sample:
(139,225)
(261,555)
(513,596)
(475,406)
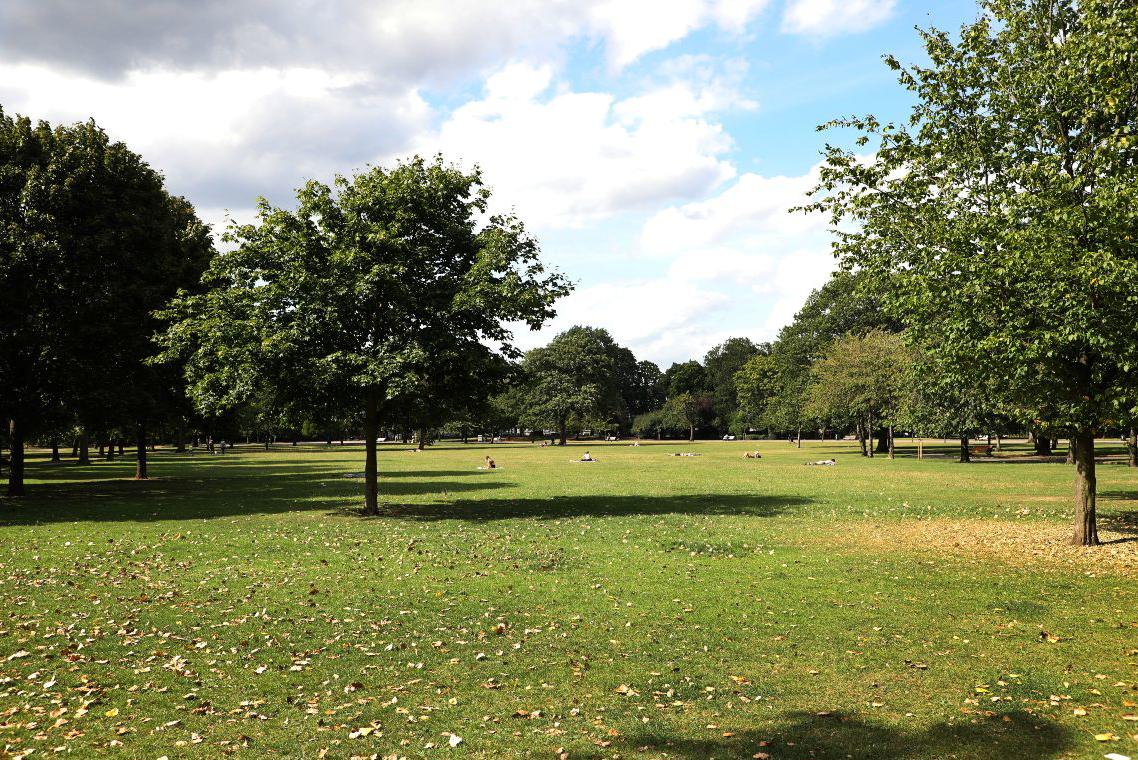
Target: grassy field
(645,606)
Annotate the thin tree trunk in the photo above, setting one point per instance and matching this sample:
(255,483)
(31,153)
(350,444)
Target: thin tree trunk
(890,433)
(1070,450)
(109,454)
(860,439)
(74,447)
(55,449)
(691,432)
(371,470)
(798,438)
(122,447)
(1132,448)
(1086,527)
(16,458)
(563,433)
(965,455)
(869,447)
(141,471)
(423,439)
(84,449)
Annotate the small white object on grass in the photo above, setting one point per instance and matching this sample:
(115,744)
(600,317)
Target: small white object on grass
(456,740)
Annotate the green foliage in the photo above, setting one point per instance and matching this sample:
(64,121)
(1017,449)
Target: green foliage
(720,366)
(575,381)
(861,380)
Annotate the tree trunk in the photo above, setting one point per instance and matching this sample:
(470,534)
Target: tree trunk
(109,454)
(691,432)
(140,471)
(999,441)
(1042,445)
(798,437)
(965,455)
(1132,448)
(180,443)
(371,477)
(122,447)
(564,434)
(890,441)
(423,439)
(16,459)
(860,439)
(882,442)
(74,447)
(1086,528)
(869,447)
(55,449)
(84,449)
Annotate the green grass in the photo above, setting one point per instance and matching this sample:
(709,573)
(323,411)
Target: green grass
(645,606)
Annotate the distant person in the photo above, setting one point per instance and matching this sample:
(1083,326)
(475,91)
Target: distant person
(587,457)
(224,446)
(752,455)
(490,464)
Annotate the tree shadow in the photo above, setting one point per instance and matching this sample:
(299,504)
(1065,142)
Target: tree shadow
(564,507)
(835,736)
(208,495)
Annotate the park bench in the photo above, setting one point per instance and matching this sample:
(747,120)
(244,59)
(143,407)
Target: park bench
(985,451)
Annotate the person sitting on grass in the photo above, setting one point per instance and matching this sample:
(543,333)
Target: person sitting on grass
(490,463)
(752,455)
(587,457)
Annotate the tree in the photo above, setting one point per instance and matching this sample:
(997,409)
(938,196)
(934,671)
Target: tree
(354,293)
(720,365)
(687,411)
(1002,212)
(862,381)
(687,377)
(90,245)
(573,379)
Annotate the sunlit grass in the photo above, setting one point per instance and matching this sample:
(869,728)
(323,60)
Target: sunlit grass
(643,606)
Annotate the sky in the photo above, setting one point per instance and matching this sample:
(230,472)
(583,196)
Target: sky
(653,147)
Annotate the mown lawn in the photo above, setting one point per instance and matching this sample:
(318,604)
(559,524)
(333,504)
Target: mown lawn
(645,606)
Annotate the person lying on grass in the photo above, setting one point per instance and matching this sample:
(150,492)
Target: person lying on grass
(822,463)
(752,455)
(686,454)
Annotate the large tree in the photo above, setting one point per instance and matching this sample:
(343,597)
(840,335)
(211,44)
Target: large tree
(359,290)
(720,365)
(91,245)
(1002,212)
(574,380)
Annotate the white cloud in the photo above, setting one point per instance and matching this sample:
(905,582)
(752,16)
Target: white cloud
(224,138)
(565,158)
(829,18)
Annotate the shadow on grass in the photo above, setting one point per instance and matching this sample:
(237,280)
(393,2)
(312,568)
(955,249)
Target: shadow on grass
(564,507)
(188,488)
(1015,734)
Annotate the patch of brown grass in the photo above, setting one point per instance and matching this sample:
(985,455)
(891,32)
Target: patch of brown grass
(1038,545)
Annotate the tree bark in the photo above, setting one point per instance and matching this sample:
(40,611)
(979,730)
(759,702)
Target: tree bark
(180,443)
(882,442)
(965,455)
(423,439)
(1042,445)
(869,447)
(1132,448)
(141,472)
(55,449)
(1086,527)
(109,452)
(691,432)
(564,434)
(371,470)
(16,458)
(84,449)
(798,437)
(890,441)
(860,439)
